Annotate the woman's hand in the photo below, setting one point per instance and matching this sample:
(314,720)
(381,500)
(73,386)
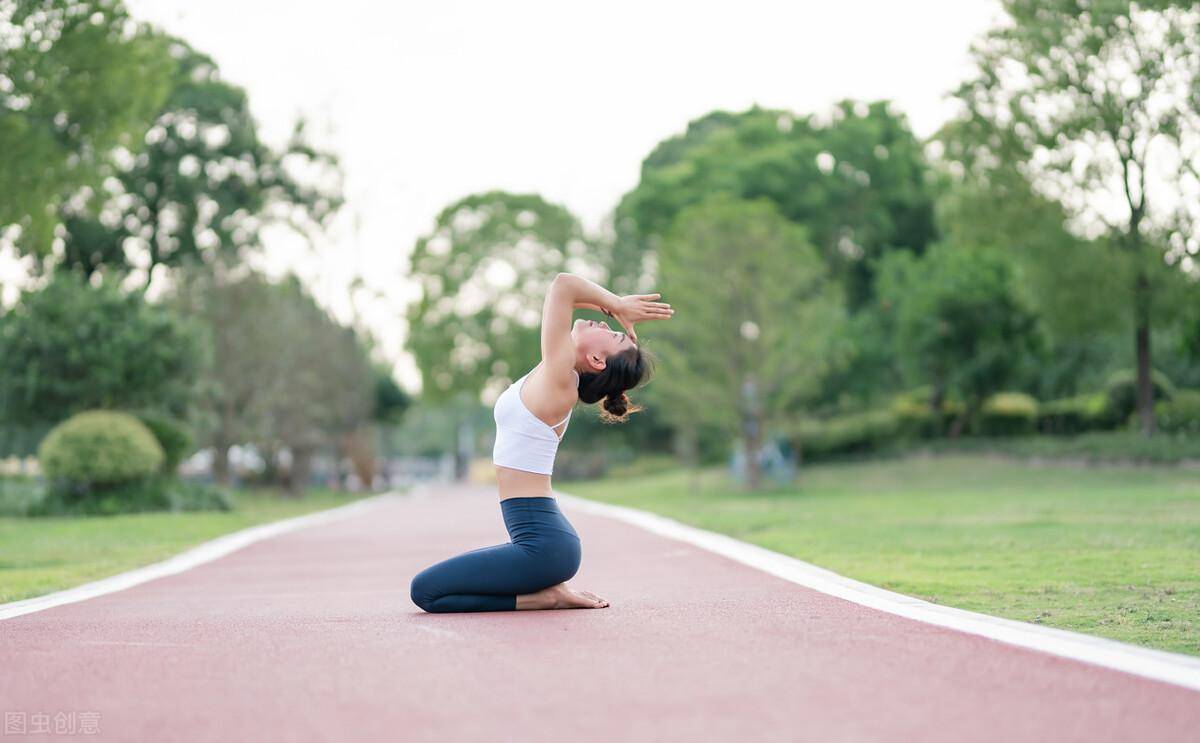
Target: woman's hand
(635,308)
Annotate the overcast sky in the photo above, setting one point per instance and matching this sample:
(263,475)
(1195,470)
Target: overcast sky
(428,102)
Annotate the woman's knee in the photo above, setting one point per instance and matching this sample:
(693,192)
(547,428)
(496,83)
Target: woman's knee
(422,591)
(564,557)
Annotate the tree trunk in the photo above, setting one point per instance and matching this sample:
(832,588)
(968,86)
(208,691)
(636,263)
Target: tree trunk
(224,439)
(686,446)
(220,465)
(957,426)
(464,449)
(752,441)
(1145,386)
(274,473)
(297,479)
(938,395)
(937,400)
(360,451)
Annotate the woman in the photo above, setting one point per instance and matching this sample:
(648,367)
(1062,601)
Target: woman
(586,361)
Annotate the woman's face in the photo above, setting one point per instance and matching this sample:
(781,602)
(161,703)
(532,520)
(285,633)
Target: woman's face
(598,341)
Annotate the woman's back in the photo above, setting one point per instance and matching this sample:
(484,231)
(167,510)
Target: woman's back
(526,445)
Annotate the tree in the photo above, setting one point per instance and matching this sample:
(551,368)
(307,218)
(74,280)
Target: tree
(957,323)
(857,183)
(756,324)
(285,376)
(235,314)
(484,270)
(1096,103)
(319,385)
(391,402)
(71,346)
(77,79)
(203,185)
(1075,286)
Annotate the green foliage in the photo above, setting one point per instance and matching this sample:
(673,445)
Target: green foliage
(134,496)
(320,372)
(1078,288)
(1121,391)
(641,466)
(754,304)
(77,83)
(1125,446)
(1060,79)
(22,440)
(580,464)
(71,346)
(1008,414)
(153,493)
(958,324)
(172,435)
(855,433)
(391,402)
(917,418)
(183,495)
(1180,414)
(100,447)
(484,271)
(283,373)
(857,184)
(1188,338)
(1101,76)
(19,494)
(1176,340)
(1071,415)
(182,200)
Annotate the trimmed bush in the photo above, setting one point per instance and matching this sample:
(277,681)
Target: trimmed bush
(172,436)
(100,447)
(857,432)
(1095,447)
(1121,389)
(1008,414)
(1180,414)
(916,419)
(1077,414)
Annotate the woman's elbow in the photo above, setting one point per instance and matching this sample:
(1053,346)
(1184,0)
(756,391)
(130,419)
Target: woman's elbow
(563,281)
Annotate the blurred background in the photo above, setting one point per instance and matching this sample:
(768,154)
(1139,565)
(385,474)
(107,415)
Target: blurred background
(934,269)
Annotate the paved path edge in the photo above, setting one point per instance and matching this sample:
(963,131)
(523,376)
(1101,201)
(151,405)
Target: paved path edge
(190,558)
(1172,668)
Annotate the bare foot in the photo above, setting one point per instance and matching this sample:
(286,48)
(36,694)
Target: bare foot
(561,597)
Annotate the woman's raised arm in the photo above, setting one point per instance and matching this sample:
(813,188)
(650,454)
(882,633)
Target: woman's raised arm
(569,291)
(566,292)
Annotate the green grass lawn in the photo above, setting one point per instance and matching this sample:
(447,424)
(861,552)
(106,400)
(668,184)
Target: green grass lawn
(41,555)
(1112,551)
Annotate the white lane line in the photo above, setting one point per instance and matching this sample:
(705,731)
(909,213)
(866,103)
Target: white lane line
(438,631)
(1172,668)
(198,555)
(130,642)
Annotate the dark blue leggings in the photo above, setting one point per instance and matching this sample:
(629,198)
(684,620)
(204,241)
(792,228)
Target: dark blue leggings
(544,551)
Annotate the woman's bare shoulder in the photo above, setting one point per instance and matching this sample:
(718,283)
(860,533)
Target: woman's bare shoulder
(544,394)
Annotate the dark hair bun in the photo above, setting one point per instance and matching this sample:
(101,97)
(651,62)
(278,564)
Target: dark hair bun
(616,405)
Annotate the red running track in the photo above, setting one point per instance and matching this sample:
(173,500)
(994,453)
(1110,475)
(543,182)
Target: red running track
(311,636)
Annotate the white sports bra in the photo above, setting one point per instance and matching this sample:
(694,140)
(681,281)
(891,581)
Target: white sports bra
(524,441)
